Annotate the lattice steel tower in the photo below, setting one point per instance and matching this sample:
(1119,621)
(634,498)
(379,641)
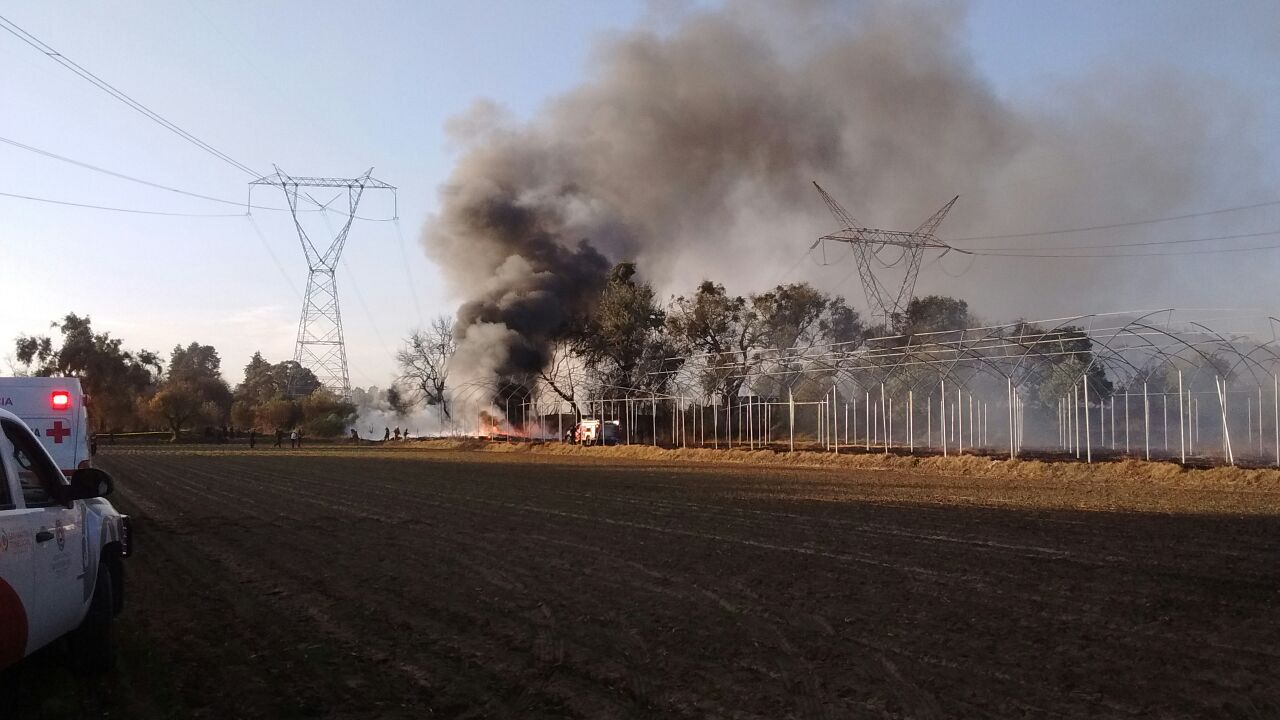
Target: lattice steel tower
(869,246)
(321,347)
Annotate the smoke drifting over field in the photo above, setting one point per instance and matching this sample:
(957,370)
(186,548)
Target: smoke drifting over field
(691,150)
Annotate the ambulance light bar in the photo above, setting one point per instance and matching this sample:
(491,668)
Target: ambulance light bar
(60,400)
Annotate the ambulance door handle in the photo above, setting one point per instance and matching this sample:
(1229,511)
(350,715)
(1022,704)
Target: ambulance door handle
(44,536)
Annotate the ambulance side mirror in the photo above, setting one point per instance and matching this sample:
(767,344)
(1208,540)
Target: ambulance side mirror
(87,483)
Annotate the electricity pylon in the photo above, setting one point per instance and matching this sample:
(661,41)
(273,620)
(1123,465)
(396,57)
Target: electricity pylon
(321,347)
(867,245)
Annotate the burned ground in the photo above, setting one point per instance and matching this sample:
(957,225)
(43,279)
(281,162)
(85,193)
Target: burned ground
(369,584)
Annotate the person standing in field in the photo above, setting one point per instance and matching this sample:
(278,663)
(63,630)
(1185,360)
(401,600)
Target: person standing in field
(355,437)
(386,434)
(397,434)
(279,437)
(253,438)
(293,438)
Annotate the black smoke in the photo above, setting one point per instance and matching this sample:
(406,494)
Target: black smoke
(690,150)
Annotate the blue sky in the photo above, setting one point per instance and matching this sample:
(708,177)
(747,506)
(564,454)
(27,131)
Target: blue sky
(331,88)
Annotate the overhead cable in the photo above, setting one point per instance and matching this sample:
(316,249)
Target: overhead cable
(1213,251)
(118,209)
(1112,226)
(130,178)
(1145,243)
(120,95)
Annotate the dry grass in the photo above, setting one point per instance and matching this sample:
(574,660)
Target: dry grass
(1264,484)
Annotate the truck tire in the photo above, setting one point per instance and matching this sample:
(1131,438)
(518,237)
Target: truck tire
(91,644)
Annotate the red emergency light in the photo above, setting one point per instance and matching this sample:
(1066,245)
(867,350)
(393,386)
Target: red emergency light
(60,400)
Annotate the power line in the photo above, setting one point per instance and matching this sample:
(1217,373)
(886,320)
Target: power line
(267,246)
(118,94)
(130,178)
(118,209)
(1145,243)
(113,173)
(1112,226)
(1122,255)
(413,288)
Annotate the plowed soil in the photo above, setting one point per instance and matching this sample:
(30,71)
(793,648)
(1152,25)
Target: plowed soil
(369,584)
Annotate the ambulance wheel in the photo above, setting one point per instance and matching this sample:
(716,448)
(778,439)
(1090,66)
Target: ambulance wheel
(91,643)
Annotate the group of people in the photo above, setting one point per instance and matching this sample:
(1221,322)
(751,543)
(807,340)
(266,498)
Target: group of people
(387,434)
(295,438)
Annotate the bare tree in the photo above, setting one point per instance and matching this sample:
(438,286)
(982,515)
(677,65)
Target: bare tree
(424,362)
(563,373)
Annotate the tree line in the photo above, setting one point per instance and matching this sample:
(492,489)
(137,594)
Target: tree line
(628,342)
(139,391)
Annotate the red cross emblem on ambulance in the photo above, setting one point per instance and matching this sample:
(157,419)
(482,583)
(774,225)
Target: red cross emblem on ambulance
(57,432)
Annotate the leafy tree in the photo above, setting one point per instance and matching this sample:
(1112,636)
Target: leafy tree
(293,379)
(713,323)
(622,340)
(198,367)
(1066,353)
(264,384)
(243,415)
(278,414)
(112,377)
(737,335)
(325,414)
(176,404)
(424,362)
(194,363)
(260,383)
(791,321)
(933,313)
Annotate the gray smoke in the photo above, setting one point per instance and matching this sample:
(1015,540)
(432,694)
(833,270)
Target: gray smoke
(690,150)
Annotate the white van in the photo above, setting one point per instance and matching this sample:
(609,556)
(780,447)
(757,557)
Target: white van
(62,544)
(593,431)
(55,408)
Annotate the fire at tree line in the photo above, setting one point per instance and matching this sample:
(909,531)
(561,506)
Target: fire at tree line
(624,343)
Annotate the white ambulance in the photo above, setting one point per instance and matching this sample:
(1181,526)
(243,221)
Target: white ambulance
(593,431)
(61,543)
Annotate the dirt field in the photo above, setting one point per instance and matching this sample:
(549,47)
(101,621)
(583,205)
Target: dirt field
(371,584)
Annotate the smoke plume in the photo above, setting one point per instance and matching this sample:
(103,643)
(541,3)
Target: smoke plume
(690,149)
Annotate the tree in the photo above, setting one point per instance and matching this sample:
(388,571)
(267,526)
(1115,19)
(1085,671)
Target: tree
(325,414)
(243,415)
(790,322)
(424,362)
(622,340)
(199,367)
(563,373)
(1066,357)
(737,335)
(278,414)
(293,379)
(260,383)
(713,323)
(195,363)
(112,377)
(176,404)
(264,384)
(933,313)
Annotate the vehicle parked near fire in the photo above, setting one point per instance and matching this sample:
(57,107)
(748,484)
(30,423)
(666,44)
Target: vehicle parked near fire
(593,431)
